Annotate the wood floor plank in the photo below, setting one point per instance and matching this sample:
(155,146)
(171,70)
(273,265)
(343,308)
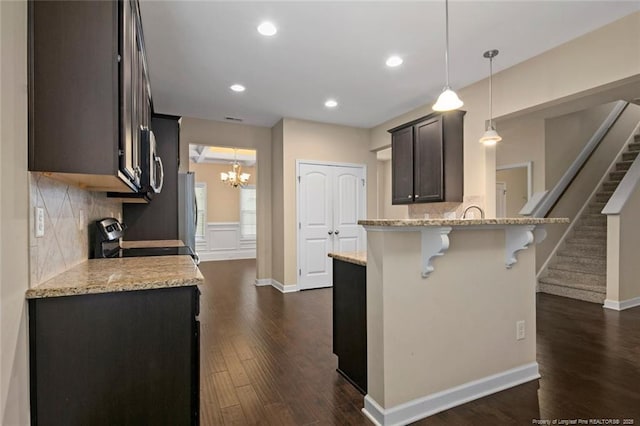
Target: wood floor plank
(233,416)
(266,358)
(251,405)
(225,391)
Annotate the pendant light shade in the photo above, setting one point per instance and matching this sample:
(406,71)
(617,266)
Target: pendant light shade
(448,99)
(491,136)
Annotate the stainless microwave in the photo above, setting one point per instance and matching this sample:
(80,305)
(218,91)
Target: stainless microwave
(153,172)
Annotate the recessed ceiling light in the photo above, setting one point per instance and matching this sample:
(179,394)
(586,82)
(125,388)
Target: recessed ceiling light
(331,103)
(237,88)
(394,61)
(267,29)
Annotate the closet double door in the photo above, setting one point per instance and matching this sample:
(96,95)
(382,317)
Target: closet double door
(331,200)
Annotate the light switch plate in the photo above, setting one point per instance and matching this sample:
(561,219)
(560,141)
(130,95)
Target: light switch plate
(39,222)
(520,330)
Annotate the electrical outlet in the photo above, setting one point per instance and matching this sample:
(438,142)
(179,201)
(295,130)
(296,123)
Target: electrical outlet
(520,330)
(450,215)
(39,216)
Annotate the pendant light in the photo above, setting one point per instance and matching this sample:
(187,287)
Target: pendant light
(491,136)
(448,99)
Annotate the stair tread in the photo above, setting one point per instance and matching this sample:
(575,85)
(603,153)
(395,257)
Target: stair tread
(570,267)
(564,283)
(582,251)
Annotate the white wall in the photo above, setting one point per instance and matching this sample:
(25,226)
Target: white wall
(14,226)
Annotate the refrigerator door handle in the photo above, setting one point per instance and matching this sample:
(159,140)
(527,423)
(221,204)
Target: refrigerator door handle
(195,212)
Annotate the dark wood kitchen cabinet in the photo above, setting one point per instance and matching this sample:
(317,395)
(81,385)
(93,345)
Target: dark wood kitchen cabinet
(427,159)
(88,92)
(350,321)
(158,220)
(122,358)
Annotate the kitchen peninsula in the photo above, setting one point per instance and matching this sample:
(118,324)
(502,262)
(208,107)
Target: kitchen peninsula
(450,312)
(116,341)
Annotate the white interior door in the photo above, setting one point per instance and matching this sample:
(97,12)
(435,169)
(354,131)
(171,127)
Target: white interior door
(315,206)
(348,200)
(331,200)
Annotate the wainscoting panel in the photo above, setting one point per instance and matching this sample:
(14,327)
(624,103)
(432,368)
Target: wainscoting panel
(223,242)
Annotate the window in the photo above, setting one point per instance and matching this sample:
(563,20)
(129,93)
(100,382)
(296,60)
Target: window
(201,212)
(248,212)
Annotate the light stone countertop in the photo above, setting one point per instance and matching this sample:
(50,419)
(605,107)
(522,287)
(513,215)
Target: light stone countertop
(151,244)
(355,257)
(462,222)
(122,274)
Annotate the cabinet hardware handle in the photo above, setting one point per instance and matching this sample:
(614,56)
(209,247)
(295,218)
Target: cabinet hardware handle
(417,195)
(337,232)
(409,196)
(330,232)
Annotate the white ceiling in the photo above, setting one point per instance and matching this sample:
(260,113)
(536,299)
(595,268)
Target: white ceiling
(196,50)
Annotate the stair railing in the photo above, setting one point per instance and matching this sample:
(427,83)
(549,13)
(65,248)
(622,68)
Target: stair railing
(543,203)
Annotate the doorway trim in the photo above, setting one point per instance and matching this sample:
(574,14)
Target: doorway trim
(529,166)
(363,167)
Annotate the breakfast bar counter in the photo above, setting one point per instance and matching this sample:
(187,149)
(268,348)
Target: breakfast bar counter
(450,312)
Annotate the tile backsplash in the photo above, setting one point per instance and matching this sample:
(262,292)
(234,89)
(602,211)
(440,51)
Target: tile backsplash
(68,213)
(439,210)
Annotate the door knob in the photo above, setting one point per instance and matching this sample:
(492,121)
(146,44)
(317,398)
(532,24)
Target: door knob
(330,232)
(337,232)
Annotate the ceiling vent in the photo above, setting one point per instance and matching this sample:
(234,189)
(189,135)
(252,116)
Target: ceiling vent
(236,119)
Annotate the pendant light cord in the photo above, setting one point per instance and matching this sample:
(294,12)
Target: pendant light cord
(491,92)
(446,51)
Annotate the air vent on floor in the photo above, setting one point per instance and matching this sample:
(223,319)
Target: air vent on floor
(236,119)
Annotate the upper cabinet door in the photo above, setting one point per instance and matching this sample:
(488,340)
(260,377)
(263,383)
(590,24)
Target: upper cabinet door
(402,166)
(428,161)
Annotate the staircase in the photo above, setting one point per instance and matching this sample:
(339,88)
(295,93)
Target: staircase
(579,270)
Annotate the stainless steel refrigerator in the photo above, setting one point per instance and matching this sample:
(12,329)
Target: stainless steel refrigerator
(187,211)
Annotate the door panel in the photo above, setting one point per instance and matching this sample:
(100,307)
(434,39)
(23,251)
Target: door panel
(428,161)
(330,203)
(402,170)
(349,198)
(316,221)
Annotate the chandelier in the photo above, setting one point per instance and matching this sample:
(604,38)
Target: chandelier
(235,177)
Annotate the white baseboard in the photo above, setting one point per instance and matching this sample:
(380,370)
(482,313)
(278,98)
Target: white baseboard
(431,404)
(260,282)
(622,305)
(206,256)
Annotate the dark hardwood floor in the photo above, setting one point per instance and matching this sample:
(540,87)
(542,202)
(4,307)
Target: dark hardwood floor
(266,359)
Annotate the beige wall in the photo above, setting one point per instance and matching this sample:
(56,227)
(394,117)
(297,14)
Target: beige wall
(516,181)
(581,67)
(223,201)
(277,201)
(523,141)
(453,306)
(14,225)
(387,210)
(566,136)
(214,133)
(308,140)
